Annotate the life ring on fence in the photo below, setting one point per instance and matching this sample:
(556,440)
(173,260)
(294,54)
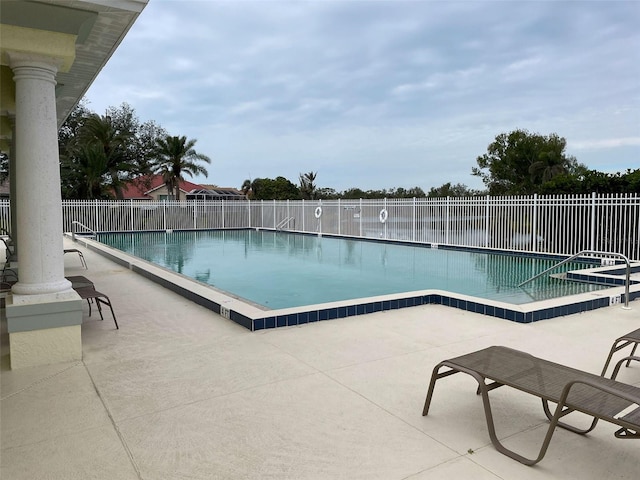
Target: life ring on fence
(318,212)
(383,215)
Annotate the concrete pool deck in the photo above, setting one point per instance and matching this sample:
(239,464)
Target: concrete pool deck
(180,392)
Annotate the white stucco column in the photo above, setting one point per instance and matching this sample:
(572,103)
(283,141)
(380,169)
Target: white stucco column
(38,197)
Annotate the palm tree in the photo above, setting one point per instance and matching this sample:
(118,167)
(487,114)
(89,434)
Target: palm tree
(175,156)
(85,168)
(247,188)
(101,133)
(307,187)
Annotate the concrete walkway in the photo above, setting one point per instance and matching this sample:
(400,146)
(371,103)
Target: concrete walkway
(182,393)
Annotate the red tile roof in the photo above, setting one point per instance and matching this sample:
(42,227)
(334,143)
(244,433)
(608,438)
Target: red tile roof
(140,188)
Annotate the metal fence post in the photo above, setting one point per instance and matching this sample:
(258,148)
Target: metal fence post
(414,222)
(339,217)
(361,215)
(592,241)
(131,209)
(448,223)
(96,225)
(534,224)
(486,223)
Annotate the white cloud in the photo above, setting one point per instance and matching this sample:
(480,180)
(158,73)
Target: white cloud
(380,94)
(606,143)
(249,107)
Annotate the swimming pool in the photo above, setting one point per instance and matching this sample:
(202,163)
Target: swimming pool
(263,279)
(283,270)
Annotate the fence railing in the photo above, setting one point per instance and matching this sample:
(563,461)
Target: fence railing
(554,224)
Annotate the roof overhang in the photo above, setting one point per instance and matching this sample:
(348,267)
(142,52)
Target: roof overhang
(80,34)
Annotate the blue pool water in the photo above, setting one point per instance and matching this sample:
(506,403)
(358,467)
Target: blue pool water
(280,270)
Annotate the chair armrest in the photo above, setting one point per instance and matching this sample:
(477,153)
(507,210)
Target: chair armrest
(603,388)
(620,362)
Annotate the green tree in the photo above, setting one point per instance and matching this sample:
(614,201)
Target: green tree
(4,166)
(307,185)
(401,192)
(274,189)
(70,129)
(141,146)
(449,190)
(587,181)
(82,175)
(247,188)
(519,162)
(353,194)
(176,156)
(101,134)
(327,194)
(127,147)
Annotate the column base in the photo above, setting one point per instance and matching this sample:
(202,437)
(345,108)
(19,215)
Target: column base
(45,332)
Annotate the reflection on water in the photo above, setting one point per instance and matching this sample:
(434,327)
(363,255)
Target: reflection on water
(282,270)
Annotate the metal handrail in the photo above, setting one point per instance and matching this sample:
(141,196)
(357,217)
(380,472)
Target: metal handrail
(284,223)
(592,252)
(73,229)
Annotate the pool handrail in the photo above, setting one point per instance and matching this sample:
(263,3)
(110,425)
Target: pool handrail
(73,229)
(285,223)
(592,252)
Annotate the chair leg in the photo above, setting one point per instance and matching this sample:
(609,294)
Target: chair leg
(432,384)
(618,345)
(571,428)
(82,260)
(108,303)
(99,308)
(633,352)
(484,392)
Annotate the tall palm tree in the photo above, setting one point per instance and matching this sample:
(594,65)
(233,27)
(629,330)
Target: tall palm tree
(175,156)
(247,188)
(307,185)
(85,168)
(100,131)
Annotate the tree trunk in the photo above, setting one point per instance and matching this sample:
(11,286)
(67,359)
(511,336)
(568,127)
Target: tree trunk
(116,186)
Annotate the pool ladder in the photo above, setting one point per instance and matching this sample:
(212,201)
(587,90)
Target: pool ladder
(592,252)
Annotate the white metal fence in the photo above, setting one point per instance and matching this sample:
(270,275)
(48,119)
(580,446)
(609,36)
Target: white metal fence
(553,224)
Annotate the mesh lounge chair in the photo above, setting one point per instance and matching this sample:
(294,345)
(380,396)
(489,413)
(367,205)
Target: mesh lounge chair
(631,338)
(87,291)
(90,293)
(571,389)
(8,277)
(80,254)
(10,251)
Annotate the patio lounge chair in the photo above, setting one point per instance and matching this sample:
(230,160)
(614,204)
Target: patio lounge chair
(8,277)
(80,254)
(10,251)
(631,338)
(90,293)
(571,389)
(87,291)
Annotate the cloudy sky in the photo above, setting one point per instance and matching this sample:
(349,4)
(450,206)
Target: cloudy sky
(380,94)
